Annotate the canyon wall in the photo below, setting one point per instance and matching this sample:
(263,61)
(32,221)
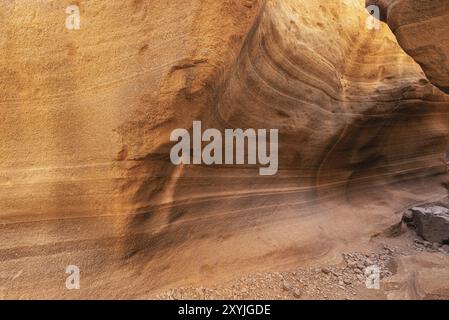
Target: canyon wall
(422,31)
(86,117)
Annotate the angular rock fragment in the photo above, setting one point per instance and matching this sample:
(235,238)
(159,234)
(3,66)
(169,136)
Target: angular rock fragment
(432,223)
(408,217)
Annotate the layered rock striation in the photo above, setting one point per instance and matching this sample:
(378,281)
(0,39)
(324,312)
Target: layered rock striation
(422,31)
(86,117)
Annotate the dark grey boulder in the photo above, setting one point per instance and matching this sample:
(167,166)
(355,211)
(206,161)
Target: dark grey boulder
(432,223)
(408,217)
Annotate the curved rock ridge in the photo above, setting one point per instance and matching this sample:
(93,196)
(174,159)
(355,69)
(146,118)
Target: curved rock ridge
(423,32)
(86,179)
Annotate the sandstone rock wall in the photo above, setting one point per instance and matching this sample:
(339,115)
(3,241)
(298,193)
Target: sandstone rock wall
(423,32)
(86,116)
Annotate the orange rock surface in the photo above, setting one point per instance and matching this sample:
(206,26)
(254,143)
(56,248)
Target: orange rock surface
(85,122)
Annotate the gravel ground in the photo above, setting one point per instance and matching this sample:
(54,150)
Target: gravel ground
(331,282)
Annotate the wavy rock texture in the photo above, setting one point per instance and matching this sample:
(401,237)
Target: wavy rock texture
(423,32)
(86,116)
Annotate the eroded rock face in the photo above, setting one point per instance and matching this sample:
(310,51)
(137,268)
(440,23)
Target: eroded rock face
(86,119)
(423,32)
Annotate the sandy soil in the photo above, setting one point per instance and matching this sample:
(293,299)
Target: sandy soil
(345,280)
